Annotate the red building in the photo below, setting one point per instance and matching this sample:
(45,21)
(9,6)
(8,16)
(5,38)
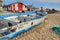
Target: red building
(17,7)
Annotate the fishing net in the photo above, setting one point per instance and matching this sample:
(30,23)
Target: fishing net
(56,29)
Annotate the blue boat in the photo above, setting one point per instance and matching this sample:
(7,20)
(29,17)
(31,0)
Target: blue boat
(16,24)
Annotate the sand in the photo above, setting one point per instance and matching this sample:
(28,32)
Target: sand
(42,31)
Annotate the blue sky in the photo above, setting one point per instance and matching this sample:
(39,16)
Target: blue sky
(38,3)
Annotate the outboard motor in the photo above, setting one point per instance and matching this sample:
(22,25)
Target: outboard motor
(9,24)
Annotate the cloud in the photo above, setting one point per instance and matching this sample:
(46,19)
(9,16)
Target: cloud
(44,3)
(55,1)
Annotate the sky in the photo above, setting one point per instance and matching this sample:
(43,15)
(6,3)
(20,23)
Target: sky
(37,3)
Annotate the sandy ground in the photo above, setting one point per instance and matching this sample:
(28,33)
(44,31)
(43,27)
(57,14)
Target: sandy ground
(43,31)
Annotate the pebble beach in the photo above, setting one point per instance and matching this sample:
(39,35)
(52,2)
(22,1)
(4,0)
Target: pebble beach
(43,31)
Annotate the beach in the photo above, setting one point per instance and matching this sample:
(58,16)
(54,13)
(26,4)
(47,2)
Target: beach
(43,31)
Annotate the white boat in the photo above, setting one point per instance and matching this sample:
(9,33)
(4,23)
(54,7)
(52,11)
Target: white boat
(19,24)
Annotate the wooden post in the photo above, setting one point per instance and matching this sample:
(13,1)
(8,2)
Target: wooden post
(45,21)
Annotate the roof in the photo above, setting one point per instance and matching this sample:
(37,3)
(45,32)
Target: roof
(0,0)
(15,3)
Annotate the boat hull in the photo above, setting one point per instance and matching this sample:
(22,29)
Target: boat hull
(25,27)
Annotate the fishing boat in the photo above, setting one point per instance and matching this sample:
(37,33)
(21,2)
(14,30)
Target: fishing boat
(13,26)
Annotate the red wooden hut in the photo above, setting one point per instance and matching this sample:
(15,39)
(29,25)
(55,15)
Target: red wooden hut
(17,7)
